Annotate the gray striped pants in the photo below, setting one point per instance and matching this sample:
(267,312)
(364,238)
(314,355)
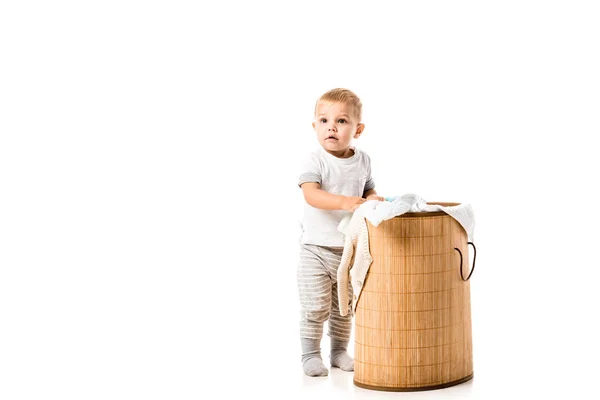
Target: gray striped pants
(317,285)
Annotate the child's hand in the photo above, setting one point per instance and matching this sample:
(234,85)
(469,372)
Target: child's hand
(375,197)
(351,203)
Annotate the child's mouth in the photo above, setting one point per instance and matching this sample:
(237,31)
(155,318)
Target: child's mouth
(331,138)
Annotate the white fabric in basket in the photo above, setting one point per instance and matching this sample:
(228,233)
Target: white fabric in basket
(355,232)
(377,211)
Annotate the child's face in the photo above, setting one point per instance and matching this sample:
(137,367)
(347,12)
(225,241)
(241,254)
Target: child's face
(336,125)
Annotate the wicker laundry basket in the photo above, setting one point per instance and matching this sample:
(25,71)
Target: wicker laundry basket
(413,317)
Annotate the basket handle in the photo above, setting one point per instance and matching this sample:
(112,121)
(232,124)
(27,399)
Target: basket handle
(461,261)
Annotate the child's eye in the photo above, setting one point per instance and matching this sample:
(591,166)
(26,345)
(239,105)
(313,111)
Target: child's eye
(323,120)
(341,121)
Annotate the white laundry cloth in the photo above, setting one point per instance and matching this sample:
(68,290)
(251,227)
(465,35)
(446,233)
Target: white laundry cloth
(355,232)
(377,211)
(356,246)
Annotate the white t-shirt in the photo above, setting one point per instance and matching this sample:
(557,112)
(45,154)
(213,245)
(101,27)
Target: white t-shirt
(346,176)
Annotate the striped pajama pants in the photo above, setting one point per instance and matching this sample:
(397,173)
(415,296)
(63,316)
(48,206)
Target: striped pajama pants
(317,285)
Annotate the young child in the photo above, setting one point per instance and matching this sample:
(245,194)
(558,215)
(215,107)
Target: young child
(335,180)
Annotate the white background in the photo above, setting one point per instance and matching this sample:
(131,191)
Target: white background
(148,202)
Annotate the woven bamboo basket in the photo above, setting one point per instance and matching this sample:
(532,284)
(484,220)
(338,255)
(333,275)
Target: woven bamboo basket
(413,317)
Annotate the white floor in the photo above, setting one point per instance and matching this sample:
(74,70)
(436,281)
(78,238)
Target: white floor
(493,380)
(339,384)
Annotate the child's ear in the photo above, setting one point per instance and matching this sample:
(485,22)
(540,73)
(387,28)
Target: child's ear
(359,129)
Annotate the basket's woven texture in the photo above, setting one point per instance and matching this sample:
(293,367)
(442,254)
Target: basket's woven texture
(413,318)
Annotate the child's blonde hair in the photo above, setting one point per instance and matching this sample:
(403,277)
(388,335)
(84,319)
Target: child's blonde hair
(343,96)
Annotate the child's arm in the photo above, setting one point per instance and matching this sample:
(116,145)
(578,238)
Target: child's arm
(318,198)
(372,195)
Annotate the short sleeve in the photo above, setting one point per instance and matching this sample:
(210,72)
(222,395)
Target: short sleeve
(310,170)
(370,183)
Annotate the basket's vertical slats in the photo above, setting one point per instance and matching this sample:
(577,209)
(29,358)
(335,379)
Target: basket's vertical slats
(413,320)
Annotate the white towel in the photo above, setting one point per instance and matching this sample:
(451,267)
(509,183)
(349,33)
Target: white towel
(356,236)
(377,211)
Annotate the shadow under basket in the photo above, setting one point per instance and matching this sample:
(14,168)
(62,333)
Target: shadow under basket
(413,317)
